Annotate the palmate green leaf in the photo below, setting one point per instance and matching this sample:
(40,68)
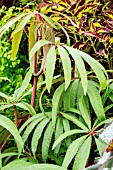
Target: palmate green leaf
(50,66)
(24,84)
(37,46)
(58,132)
(37,134)
(80,66)
(84,111)
(82,155)
(10,126)
(5,96)
(44,167)
(97,67)
(30,120)
(16,42)
(5,106)
(55,102)
(31,127)
(96,101)
(23,22)
(27,106)
(100,145)
(66,65)
(66,126)
(10,23)
(72,150)
(47,140)
(49,21)
(75,120)
(65,135)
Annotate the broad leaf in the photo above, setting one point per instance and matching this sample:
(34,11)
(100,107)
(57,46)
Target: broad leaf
(10,126)
(82,155)
(96,101)
(44,167)
(55,102)
(37,46)
(80,66)
(75,120)
(46,141)
(72,150)
(50,66)
(37,134)
(58,132)
(65,135)
(23,22)
(26,106)
(24,84)
(66,65)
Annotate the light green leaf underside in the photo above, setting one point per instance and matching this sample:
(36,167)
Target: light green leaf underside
(37,134)
(97,67)
(26,106)
(84,111)
(96,101)
(10,23)
(5,96)
(50,66)
(10,126)
(72,150)
(37,46)
(30,120)
(44,167)
(5,106)
(75,120)
(66,126)
(80,66)
(58,132)
(65,135)
(66,65)
(49,20)
(23,22)
(100,145)
(55,102)
(46,141)
(24,84)
(82,155)
(31,127)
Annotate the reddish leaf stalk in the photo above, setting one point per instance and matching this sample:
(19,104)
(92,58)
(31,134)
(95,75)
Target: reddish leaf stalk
(15,116)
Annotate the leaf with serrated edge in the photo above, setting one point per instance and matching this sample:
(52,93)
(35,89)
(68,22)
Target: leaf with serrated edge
(58,132)
(27,106)
(66,126)
(46,141)
(55,102)
(81,159)
(72,150)
(31,127)
(65,135)
(37,46)
(66,65)
(37,134)
(80,66)
(10,126)
(84,111)
(50,66)
(75,120)
(30,120)
(96,101)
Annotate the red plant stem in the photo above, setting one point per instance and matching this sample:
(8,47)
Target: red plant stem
(15,116)
(5,142)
